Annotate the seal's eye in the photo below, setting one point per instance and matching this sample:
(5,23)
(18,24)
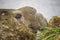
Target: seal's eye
(18,16)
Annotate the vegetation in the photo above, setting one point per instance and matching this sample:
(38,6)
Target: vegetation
(54,21)
(49,33)
(52,32)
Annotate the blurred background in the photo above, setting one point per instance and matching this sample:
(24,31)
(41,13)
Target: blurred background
(47,7)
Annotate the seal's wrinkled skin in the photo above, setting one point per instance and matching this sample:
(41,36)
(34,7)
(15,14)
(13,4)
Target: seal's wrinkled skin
(32,14)
(30,10)
(42,20)
(12,29)
(19,24)
(29,18)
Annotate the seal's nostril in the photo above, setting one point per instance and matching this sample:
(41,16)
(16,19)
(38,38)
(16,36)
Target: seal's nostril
(18,16)
(32,26)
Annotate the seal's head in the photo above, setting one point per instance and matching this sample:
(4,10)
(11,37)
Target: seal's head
(12,26)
